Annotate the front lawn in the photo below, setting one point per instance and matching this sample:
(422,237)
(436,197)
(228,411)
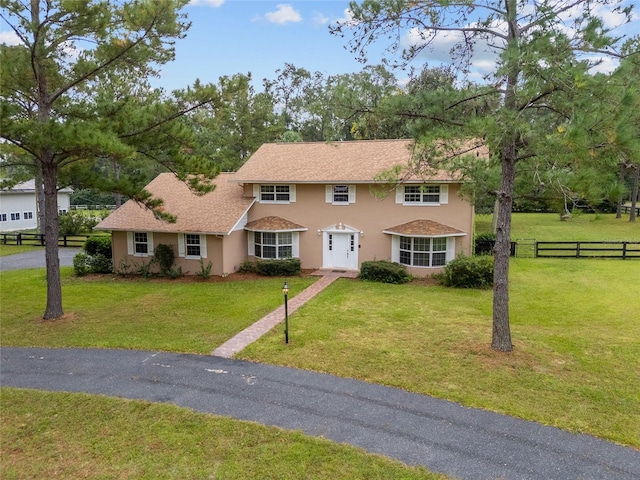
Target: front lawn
(63,435)
(576,330)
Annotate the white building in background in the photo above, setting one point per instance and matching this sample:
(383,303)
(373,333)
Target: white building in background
(18,209)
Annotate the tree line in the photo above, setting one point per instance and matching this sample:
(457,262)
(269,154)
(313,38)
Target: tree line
(78,108)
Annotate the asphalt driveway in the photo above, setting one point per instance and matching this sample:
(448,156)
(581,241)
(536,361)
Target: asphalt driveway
(35,259)
(445,437)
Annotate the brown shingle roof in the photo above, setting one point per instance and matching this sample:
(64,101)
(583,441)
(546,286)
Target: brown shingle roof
(216,212)
(427,228)
(273,223)
(328,162)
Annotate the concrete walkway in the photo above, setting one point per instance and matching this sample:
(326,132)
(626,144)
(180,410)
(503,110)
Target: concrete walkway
(266,323)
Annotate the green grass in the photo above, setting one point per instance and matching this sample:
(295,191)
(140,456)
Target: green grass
(575,326)
(111,312)
(546,227)
(61,435)
(13,249)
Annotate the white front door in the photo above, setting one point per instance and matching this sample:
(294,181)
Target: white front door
(340,250)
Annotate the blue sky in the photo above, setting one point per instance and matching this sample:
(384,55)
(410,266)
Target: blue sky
(260,36)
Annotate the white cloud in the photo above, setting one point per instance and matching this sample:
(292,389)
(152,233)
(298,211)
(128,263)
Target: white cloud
(9,38)
(207,3)
(284,14)
(320,19)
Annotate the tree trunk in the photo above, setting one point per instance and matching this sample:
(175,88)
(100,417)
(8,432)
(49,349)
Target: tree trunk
(51,231)
(39,190)
(621,173)
(634,194)
(501,337)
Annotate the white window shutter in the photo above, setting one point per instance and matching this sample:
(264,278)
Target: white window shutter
(130,243)
(150,243)
(328,194)
(399,193)
(182,251)
(352,194)
(256,191)
(295,248)
(203,245)
(444,194)
(251,249)
(395,248)
(451,249)
(292,193)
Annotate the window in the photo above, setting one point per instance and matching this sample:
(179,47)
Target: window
(422,194)
(3,217)
(192,243)
(27,215)
(62,210)
(275,193)
(340,194)
(423,251)
(273,244)
(140,243)
(15,216)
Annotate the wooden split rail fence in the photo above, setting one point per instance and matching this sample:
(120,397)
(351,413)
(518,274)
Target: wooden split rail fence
(38,239)
(622,250)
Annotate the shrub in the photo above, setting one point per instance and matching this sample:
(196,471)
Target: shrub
(100,263)
(99,245)
(81,264)
(467,272)
(484,243)
(74,222)
(384,271)
(205,270)
(279,268)
(248,267)
(165,257)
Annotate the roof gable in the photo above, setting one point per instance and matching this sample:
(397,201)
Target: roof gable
(216,212)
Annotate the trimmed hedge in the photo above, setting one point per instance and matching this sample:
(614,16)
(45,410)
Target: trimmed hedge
(467,272)
(384,271)
(279,268)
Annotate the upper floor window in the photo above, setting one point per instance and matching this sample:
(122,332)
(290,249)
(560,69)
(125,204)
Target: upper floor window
(275,193)
(15,216)
(3,217)
(27,215)
(427,194)
(340,194)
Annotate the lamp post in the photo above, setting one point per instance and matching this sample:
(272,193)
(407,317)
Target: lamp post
(285,290)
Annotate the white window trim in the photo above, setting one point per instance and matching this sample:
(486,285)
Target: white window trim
(258,194)
(182,246)
(450,252)
(131,245)
(444,196)
(295,243)
(3,217)
(14,216)
(329,194)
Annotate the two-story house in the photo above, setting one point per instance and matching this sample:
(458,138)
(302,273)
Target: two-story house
(312,201)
